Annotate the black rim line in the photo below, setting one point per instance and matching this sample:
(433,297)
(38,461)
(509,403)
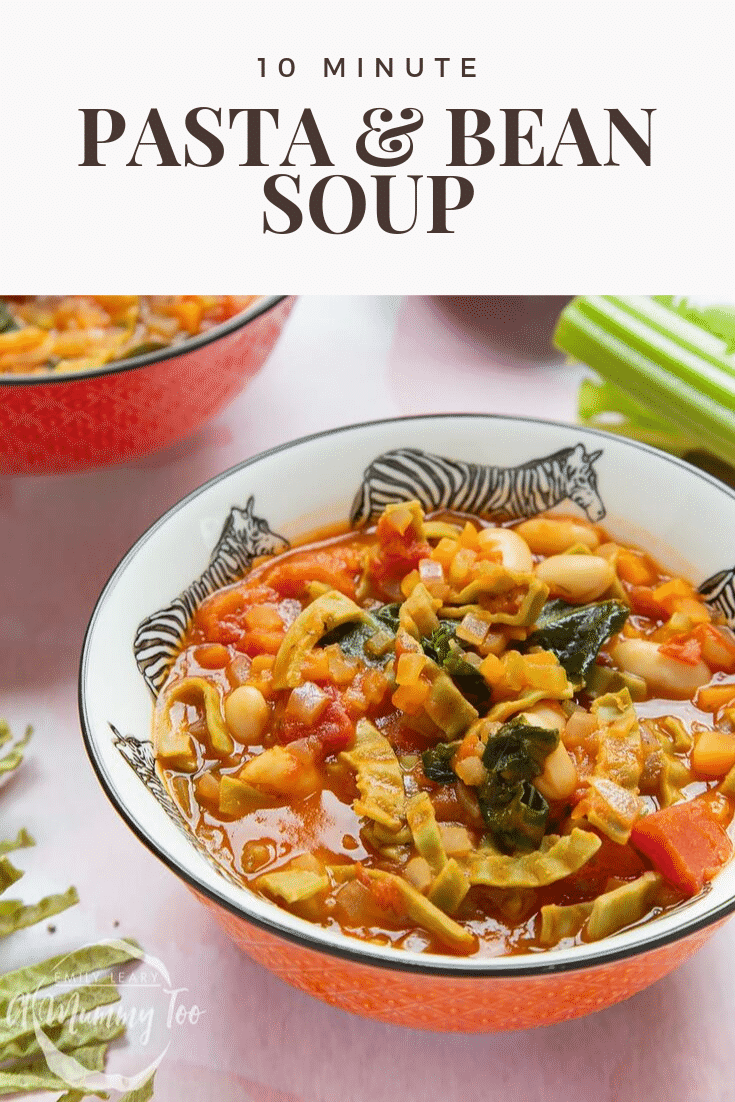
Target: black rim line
(117,367)
(504,968)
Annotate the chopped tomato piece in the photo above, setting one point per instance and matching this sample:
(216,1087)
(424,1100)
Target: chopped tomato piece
(684,842)
(645,604)
(221,618)
(684,648)
(333,732)
(718,647)
(336,568)
(388,897)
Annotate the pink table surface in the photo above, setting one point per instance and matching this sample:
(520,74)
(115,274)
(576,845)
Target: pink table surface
(340,360)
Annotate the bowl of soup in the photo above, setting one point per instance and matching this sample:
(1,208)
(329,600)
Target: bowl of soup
(90,380)
(436,715)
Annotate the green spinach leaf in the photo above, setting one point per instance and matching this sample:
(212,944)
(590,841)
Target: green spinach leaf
(516,815)
(442,646)
(352,637)
(436,762)
(514,811)
(575,633)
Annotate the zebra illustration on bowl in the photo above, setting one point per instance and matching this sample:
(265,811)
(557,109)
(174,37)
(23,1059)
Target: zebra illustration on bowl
(440,483)
(719,593)
(244,538)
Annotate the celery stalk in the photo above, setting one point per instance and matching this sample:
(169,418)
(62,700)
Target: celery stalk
(682,373)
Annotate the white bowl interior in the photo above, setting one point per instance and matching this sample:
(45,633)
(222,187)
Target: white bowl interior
(684,517)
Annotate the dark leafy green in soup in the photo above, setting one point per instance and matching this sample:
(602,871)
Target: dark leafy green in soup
(454,736)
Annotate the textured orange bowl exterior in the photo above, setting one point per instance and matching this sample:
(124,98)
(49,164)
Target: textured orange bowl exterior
(53,426)
(462,1004)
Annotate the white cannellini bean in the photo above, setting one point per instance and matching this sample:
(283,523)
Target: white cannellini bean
(547,536)
(545,715)
(514,550)
(246,713)
(661,673)
(576,578)
(559,778)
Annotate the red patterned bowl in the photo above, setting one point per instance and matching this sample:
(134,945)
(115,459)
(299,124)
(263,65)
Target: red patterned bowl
(72,422)
(527,465)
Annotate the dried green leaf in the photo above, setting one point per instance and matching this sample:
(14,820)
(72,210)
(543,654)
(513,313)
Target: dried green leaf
(50,1011)
(14,757)
(34,1074)
(66,1037)
(92,958)
(21,841)
(14,915)
(8,874)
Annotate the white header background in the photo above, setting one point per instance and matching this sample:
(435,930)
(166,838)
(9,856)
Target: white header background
(631,228)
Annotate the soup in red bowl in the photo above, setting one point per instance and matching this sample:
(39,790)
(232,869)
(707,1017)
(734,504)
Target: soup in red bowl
(65,408)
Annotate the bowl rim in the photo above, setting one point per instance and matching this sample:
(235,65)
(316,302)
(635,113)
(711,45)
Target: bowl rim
(262,305)
(498,967)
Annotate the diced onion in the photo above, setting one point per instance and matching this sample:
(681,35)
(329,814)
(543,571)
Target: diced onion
(306,703)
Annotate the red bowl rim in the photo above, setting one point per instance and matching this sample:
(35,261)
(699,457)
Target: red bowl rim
(261,306)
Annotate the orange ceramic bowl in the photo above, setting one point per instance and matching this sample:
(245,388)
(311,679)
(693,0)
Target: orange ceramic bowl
(527,466)
(71,422)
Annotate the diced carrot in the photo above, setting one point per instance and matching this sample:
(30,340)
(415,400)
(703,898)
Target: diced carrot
(212,656)
(711,698)
(375,686)
(444,551)
(665,595)
(409,667)
(260,663)
(189,314)
(409,583)
(263,618)
(684,842)
(695,610)
(409,698)
(261,642)
(316,666)
(634,568)
(468,537)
